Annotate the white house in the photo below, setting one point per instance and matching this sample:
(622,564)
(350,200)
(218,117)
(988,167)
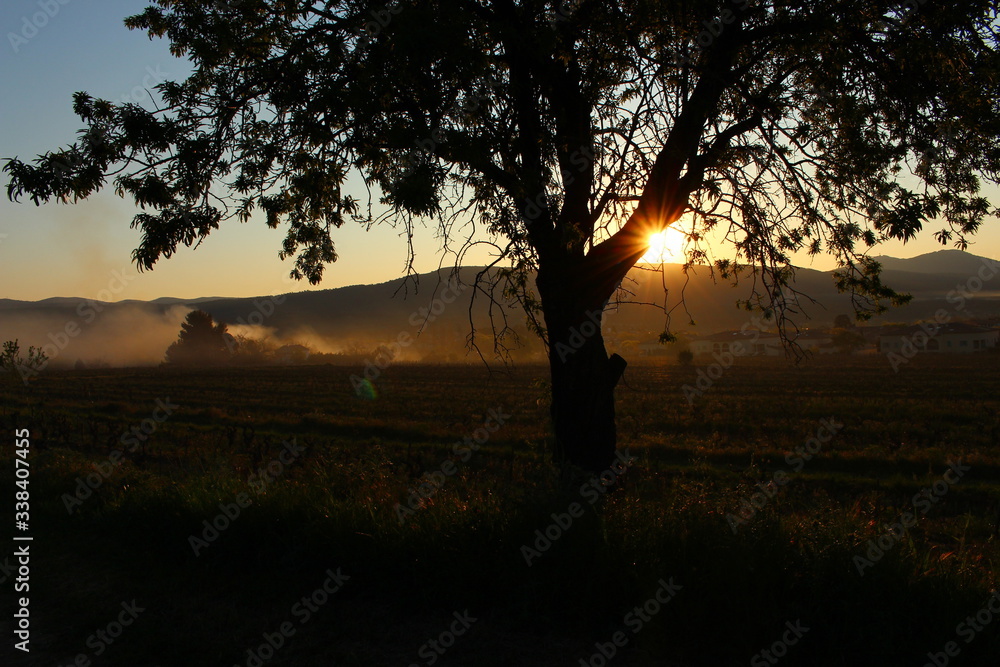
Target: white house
(811,340)
(950,337)
(745,343)
(756,343)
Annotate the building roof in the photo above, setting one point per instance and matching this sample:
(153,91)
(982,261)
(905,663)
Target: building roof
(756,334)
(811,334)
(731,336)
(953,328)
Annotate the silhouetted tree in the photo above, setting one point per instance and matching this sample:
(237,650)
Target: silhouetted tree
(25,367)
(201,341)
(251,351)
(847,340)
(569,132)
(843,321)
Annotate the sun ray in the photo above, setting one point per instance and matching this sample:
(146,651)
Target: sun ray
(665,246)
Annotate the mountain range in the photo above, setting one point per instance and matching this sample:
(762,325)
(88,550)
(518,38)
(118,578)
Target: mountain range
(361,317)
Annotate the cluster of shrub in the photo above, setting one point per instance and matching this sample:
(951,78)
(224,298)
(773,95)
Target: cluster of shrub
(203,342)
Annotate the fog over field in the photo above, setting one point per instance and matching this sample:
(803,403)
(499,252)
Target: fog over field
(495,333)
(357,319)
(118,335)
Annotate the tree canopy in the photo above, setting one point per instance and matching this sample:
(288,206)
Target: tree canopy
(201,342)
(565,129)
(565,133)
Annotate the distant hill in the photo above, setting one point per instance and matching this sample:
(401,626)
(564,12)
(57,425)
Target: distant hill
(362,316)
(942,261)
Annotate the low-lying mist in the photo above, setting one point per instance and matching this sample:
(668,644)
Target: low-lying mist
(97,334)
(75,333)
(302,336)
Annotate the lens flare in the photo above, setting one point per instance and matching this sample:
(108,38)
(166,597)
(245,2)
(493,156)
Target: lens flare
(665,246)
(366,389)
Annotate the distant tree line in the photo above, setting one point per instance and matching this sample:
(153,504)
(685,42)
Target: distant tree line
(203,342)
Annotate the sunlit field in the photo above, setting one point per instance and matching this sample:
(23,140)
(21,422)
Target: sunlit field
(326,549)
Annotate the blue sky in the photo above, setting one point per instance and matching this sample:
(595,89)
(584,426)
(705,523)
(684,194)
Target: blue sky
(76,250)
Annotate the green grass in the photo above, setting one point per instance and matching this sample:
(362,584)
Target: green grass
(334,508)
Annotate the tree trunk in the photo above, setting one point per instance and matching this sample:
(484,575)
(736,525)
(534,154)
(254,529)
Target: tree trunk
(583,384)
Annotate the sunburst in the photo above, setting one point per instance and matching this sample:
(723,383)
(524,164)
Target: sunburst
(665,246)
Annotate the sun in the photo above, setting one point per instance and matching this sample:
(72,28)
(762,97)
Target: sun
(665,246)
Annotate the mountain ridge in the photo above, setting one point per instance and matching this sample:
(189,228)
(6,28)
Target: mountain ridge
(137,332)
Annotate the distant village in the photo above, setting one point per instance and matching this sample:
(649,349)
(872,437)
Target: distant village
(938,337)
(957,337)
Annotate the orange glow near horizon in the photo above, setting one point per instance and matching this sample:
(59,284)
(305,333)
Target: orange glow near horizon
(666,246)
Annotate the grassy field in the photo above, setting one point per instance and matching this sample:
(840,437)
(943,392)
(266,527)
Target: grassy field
(750,545)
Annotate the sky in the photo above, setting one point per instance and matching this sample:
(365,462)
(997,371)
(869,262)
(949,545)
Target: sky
(84,249)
